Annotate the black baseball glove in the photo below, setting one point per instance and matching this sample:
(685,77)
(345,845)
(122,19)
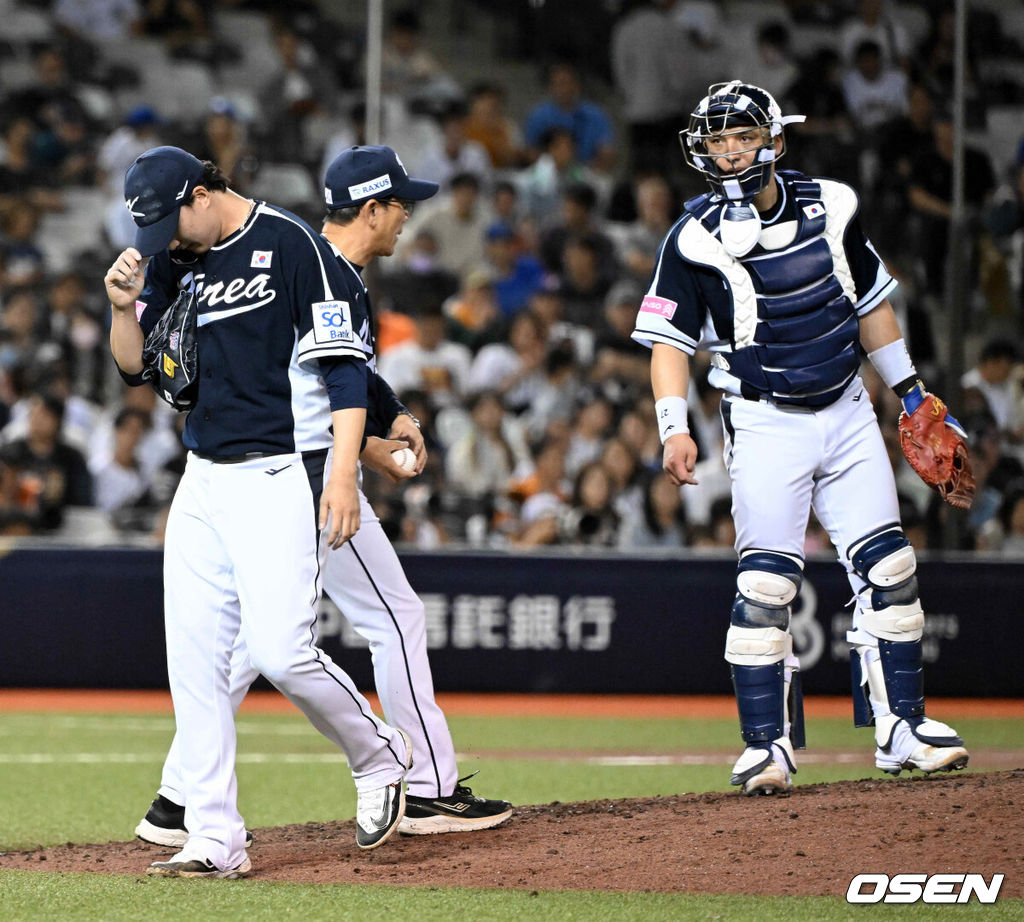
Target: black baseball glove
(169,354)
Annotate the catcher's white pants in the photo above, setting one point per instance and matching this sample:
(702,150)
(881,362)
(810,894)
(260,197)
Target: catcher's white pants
(785,461)
(242,564)
(365,579)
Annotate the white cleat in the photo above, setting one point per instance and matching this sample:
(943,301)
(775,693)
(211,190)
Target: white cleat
(765,771)
(929,747)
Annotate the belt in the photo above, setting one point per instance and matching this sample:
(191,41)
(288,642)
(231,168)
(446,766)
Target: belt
(237,459)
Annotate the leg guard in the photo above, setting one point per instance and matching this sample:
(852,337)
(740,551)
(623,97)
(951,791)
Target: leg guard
(886,663)
(757,643)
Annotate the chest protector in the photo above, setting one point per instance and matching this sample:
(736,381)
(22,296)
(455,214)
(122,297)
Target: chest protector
(794,324)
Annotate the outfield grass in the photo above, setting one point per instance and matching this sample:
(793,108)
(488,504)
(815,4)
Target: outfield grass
(89,777)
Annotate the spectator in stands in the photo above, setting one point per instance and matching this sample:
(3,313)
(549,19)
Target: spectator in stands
(591,520)
(514,369)
(420,276)
(640,436)
(457,223)
(491,451)
(661,520)
(183,26)
(543,184)
(225,141)
(475,319)
(638,244)
(51,475)
(74,324)
(21,260)
(99,22)
(585,279)
(118,151)
(454,153)
(825,143)
(577,218)
(556,398)
(21,175)
(408,70)
(997,383)
(648,65)
(591,428)
(517,275)
(876,95)
(21,328)
(298,90)
(565,107)
(874,23)
(489,125)
(543,495)
(772,65)
(430,362)
(52,89)
(621,365)
(120,482)
(1011,516)
(931,187)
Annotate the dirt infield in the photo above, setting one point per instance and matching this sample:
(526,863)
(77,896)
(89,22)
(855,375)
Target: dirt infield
(812,841)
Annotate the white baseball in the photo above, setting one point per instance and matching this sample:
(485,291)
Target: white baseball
(405,458)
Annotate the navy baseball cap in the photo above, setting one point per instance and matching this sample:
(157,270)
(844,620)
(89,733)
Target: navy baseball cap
(362,173)
(155,187)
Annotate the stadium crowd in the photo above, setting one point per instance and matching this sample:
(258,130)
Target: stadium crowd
(505,314)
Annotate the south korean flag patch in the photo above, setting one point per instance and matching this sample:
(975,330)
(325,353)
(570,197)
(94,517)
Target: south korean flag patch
(332,322)
(814,211)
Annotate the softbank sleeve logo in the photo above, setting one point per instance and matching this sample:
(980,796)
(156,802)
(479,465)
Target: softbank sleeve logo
(370,187)
(925,888)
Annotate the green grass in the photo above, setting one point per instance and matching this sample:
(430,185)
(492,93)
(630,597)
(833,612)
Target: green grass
(89,777)
(28,896)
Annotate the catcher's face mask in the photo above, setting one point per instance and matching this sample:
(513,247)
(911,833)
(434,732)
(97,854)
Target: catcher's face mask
(733,110)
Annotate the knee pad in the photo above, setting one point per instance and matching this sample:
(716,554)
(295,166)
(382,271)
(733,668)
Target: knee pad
(886,562)
(767,582)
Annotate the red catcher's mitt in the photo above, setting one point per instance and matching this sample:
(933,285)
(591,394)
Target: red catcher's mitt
(938,453)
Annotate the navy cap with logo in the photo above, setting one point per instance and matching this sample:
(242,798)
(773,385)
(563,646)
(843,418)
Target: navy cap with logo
(362,173)
(155,187)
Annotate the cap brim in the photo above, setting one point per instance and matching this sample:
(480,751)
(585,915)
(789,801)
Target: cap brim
(416,190)
(155,238)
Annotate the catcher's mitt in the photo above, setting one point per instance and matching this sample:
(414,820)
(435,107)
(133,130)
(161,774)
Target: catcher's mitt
(936,449)
(169,354)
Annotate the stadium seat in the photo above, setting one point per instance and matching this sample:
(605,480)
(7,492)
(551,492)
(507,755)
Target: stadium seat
(286,184)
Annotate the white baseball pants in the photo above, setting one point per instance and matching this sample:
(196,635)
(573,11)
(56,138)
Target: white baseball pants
(242,563)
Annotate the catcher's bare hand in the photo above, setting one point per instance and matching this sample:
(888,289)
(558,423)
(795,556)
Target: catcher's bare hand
(339,510)
(679,458)
(377,456)
(125,279)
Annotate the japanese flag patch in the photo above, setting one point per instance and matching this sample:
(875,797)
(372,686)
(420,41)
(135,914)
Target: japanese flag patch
(332,322)
(260,259)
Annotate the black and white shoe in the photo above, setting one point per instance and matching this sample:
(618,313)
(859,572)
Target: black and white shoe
(183,866)
(379,811)
(462,811)
(164,824)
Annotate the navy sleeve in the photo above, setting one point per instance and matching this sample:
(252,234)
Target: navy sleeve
(346,382)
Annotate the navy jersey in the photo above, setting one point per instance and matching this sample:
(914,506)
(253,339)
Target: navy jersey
(273,303)
(382,406)
(781,321)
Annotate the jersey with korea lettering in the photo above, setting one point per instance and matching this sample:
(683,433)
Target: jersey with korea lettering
(780,321)
(273,303)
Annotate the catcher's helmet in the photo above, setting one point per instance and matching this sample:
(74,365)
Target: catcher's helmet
(729,106)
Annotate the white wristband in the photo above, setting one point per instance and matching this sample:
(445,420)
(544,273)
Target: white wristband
(893,364)
(671,415)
